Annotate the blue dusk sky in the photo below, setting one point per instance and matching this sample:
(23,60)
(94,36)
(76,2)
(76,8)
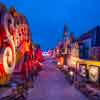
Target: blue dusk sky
(47,17)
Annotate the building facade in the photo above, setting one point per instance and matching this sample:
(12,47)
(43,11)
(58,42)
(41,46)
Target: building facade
(90,44)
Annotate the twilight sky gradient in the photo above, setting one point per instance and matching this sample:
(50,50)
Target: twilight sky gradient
(47,17)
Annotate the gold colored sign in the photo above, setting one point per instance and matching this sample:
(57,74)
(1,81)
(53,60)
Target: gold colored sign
(94,73)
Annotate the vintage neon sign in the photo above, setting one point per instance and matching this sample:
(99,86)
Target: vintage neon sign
(14,37)
(9,56)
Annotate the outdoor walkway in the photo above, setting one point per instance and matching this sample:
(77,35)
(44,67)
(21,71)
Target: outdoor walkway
(51,85)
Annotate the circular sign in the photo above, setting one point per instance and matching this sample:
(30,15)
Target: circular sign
(8,61)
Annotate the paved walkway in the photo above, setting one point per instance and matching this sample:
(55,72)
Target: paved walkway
(51,85)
